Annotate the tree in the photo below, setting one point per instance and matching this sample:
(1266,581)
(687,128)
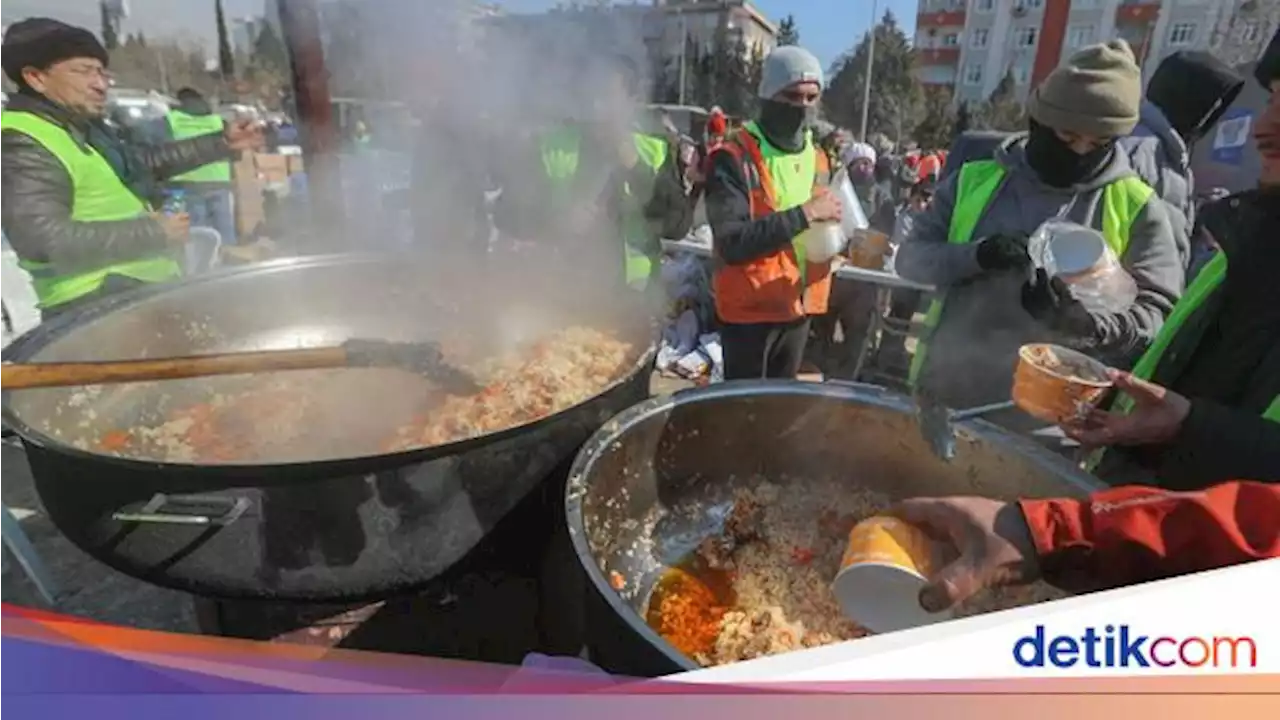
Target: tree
(269,51)
(162,65)
(1004,110)
(964,118)
(895,93)
(110,36)
(938,123)
(226,60)
(787,32)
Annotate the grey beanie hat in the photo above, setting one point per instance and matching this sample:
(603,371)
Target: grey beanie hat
(1097,91)
(787,66)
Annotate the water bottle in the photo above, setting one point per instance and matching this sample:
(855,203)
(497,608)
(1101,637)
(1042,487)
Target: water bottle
(175,202)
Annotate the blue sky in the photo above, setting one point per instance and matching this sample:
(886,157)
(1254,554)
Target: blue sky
(827,27)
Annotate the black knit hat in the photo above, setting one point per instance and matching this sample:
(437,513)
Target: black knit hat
(41,42)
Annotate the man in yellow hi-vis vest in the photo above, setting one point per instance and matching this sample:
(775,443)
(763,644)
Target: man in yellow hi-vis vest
(972,241)
(77,205)
(1203,404)
(208,187)
(604,188)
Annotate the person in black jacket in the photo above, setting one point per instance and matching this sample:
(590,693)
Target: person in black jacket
(1208,409)
(60,71)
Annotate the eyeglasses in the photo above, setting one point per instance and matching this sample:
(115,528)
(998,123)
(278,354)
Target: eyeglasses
(91,72)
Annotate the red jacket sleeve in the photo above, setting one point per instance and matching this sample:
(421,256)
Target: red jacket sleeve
(1129,535)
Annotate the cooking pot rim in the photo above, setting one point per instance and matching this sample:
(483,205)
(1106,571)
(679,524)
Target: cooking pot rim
(622,423)
(44,334)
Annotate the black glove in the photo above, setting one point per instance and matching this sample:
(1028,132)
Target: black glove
(1003,252)
(1049,300)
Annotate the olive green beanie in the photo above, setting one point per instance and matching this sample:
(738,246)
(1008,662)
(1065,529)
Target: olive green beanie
(1097,91)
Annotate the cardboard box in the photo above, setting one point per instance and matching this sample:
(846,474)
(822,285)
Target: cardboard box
(272,168)
(248,206)
(295,164)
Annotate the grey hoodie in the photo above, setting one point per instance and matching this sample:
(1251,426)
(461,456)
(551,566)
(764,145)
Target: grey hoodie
(1160,157)
(974,350)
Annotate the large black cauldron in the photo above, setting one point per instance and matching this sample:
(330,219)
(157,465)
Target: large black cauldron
(333,529)
(670,452)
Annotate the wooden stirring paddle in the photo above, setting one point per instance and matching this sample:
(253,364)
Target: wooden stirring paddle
(422,358)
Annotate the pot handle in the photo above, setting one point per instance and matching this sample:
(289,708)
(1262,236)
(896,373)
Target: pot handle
(187,510)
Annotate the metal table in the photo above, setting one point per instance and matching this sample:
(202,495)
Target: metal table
(886,281)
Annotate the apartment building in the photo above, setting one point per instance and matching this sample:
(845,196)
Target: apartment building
(701,20)
(662,27)
(971,45)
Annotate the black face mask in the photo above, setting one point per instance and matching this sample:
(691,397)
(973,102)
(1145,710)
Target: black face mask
(785,124)
(1056,163)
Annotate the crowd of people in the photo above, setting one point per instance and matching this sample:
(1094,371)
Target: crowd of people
(1196,353)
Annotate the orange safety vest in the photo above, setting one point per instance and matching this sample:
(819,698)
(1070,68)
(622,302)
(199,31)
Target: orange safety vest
(773,288)
(930,167)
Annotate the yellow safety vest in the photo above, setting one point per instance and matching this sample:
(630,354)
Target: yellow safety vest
(184,126)
(561,152)
(98,195)
(979,181)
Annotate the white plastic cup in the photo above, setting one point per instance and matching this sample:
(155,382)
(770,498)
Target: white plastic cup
(885,565)
(1076,251)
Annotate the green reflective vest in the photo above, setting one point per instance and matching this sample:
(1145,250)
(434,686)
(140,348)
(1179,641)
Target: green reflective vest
(561,151)
(98,195)
(184,126)
(793,179)
(1209,280)
(979,181)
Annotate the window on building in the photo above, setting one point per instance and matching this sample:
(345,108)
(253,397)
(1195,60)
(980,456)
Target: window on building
(1249,31)
(1079,35)
(1025,37)
(1021,74)
(1028,4)
(978,38)
(984,5)
(973,74)
(950,40)
(1182,34)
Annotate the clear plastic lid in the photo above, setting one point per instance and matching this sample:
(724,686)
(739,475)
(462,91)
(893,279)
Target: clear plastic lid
(1080,256)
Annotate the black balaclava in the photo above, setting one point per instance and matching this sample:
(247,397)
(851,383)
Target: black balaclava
(785,124)
(1056,163)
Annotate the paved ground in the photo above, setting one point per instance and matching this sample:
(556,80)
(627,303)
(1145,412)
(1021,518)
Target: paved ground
(87,587)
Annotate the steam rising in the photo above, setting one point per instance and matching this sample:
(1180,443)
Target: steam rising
(482,90)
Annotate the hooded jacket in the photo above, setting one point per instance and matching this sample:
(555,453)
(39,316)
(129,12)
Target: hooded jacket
(974,349)
(1187,95)
(1160,157)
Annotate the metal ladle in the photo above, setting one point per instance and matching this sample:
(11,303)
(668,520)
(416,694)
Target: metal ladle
(937,423)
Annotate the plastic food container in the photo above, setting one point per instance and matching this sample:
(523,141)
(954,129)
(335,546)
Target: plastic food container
(885,565)
(822,242)
(1057,385)
(1080,256)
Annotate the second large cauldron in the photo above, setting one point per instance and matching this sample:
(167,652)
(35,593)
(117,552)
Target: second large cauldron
(333,529)
(670,452)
